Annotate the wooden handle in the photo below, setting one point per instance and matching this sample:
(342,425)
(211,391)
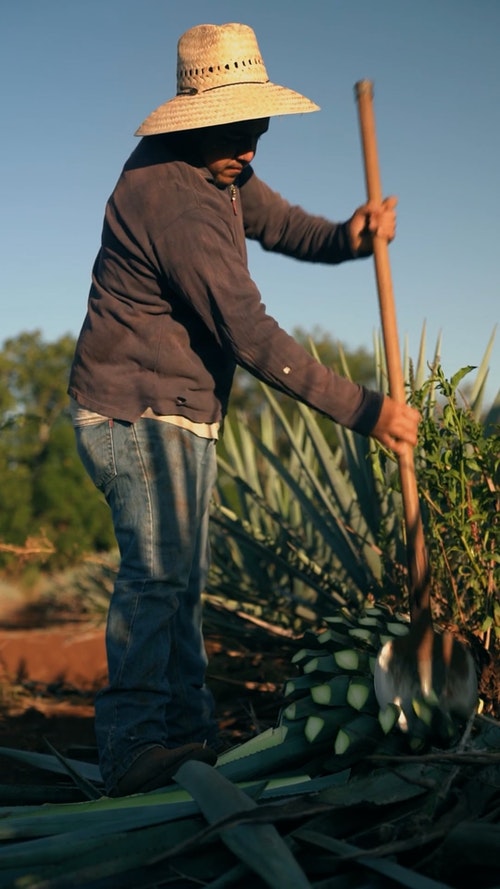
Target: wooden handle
(416,550)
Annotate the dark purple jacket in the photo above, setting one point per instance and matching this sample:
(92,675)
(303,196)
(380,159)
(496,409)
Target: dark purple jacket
(172,308)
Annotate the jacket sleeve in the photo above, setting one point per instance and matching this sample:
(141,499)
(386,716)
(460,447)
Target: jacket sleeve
(216,283)
(285,228)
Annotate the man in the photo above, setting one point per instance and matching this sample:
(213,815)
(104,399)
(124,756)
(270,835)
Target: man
(172,310)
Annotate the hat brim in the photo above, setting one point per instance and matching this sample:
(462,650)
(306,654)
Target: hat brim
(225,104)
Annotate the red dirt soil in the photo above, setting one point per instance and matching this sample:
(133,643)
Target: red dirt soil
(49,676)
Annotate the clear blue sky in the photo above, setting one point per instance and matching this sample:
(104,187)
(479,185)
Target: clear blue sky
(78,77)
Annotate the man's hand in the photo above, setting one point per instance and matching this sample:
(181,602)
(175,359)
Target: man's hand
(369,220)
(397,426)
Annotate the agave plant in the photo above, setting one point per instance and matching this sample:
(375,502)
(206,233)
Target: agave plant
(296,537)
(303,527)
(308,520)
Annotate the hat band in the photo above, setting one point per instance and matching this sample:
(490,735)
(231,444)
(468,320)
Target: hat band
(192,91)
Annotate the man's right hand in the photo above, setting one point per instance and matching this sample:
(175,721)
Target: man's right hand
(397,425)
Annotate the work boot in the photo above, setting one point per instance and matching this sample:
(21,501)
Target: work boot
(156,767)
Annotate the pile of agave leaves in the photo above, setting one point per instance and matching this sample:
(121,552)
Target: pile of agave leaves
(332,796)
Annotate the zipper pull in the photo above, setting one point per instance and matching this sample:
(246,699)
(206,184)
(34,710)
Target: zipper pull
(232,191)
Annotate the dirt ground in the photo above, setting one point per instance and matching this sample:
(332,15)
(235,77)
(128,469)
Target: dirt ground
(49,677)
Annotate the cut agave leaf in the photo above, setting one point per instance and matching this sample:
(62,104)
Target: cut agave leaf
(49,763)
(382,787)
(331,693)
(326,665)
(376,611)
(266,753)
(297,688)
(366,636)
(324,726)
(361,694)
(388,717)
(398,628)
(424,710)
(362,732)
(370,620)
(259,846)
(350,659)
(299,709)
(339,622)
(306,654)
(331,639)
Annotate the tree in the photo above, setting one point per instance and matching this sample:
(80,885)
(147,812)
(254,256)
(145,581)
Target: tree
(45,489)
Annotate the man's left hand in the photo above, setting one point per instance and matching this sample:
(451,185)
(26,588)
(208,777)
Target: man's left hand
(370,220)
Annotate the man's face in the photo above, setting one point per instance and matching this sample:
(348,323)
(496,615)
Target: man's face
(226,150)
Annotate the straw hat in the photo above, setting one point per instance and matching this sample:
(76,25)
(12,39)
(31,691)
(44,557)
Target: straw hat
(221,78)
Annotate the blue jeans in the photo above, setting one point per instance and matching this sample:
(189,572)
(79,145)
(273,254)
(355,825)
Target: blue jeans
(157,479)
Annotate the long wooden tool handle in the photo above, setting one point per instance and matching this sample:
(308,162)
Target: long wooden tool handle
(416,550)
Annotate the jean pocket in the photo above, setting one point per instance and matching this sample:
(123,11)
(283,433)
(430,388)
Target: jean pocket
(95,448)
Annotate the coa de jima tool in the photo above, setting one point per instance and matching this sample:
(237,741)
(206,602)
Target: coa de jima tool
(430,676)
